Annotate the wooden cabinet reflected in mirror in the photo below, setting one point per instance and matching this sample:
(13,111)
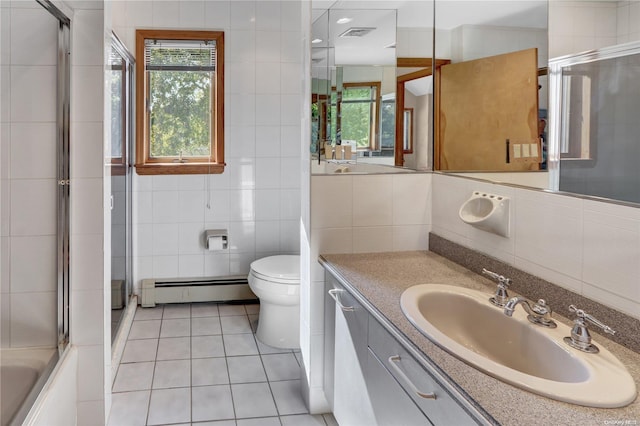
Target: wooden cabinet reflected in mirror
(487,116)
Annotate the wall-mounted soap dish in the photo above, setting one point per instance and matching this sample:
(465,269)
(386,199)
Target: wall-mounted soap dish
(488,212)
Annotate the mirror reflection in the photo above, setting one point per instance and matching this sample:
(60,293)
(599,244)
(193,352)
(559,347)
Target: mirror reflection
(414,120)
(353,99)
(355,118)
(599,96)
(491,99)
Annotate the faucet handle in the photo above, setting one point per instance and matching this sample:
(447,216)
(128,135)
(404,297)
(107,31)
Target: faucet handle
(501,296)
(582,315)
(501,279)
(580,337)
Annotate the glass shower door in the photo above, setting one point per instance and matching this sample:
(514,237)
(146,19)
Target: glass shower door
(121,67)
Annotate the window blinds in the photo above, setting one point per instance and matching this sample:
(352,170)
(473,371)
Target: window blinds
(180,55)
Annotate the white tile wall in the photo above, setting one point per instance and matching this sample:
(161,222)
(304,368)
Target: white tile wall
(87,82)
(33,93)
(33,145)
(589,247)
(257,197)
(33,319)
(28,174)
(25,276)
(577,26)
(27,46)
(549,232)
(90,214)
(33,204)
(607,266)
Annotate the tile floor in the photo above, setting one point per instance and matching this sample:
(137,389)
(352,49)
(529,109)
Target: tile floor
(200,364)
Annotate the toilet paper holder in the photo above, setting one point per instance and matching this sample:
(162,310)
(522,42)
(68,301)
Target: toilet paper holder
(216,239)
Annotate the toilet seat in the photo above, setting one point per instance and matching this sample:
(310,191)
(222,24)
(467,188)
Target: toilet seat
(283,269)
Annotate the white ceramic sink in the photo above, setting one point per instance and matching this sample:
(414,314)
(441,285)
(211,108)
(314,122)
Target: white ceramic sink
(531,357)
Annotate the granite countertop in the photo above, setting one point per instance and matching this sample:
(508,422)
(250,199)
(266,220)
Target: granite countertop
(382,277)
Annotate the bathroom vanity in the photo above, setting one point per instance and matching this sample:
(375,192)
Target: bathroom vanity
(379,369)
(378,379)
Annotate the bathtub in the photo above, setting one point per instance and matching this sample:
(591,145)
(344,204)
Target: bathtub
(23,372)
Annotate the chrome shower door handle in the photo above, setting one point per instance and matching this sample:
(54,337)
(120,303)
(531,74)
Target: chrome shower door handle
(334,295)
(393,360)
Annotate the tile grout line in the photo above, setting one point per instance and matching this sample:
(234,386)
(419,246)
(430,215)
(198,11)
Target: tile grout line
(226,363)
(153,373)
(260,353)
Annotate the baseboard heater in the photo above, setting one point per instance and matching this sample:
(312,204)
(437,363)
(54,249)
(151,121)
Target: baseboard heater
(186,290)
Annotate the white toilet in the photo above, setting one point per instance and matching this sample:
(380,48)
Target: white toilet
(276,282)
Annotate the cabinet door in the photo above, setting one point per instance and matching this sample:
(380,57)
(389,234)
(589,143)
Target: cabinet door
(351,402)
(391,404)
(329,340)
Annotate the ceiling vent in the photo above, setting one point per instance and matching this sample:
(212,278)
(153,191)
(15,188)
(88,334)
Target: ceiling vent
(357,32)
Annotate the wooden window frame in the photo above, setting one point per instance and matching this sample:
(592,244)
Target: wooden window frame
(424,67)
(145,165)
(375,114)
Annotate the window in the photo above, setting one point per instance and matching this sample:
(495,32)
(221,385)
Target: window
(179,102)
(358,114)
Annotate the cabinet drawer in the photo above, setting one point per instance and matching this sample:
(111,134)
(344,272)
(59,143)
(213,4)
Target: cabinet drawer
(391,405)
(417,382)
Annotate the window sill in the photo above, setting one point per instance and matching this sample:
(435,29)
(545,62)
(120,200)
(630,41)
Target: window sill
(179,168)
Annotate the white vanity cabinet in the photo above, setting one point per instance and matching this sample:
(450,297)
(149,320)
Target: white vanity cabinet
(371,378)
(350,398)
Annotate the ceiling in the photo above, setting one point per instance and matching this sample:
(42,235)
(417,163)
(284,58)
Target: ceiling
(450,13)
(373,48)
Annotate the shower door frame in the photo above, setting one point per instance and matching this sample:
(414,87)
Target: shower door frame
(126,161)
(63,102)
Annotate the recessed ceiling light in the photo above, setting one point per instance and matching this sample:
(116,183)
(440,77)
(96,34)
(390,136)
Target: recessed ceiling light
(344,20)
(316,40)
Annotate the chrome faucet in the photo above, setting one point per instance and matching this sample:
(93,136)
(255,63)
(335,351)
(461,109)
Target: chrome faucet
(501,296)
(580,338)
(539,313)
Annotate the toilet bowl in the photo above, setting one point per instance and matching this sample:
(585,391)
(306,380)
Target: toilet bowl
(276,282)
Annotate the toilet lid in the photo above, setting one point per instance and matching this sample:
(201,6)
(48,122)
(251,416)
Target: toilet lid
(283,268)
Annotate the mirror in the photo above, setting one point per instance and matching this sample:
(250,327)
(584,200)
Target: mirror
(596,99)
(484,125)
(414,120)
(354,119)
(321,66)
